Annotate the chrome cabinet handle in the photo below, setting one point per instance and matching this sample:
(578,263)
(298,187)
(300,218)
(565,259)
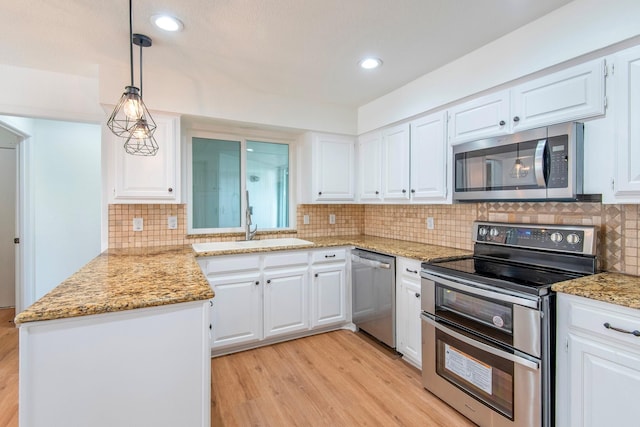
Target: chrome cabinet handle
(170,190)
(319,193)
(268,281)
(404,191)
(257,283)
(417,295)
(411,271)
(516,119)
(330,256)
(502,123)
(377,192)
(413,190)
(635,333)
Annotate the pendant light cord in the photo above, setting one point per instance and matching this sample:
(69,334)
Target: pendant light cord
(131,39)
(140,65)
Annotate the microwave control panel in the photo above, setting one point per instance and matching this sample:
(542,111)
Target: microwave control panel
(558,147)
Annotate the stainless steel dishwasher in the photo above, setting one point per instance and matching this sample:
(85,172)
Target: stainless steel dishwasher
(374,294)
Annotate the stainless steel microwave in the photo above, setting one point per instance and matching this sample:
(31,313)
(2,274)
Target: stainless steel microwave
(537,164)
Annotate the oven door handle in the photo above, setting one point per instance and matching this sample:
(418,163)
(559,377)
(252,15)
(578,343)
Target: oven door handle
(481,346)
(474,290)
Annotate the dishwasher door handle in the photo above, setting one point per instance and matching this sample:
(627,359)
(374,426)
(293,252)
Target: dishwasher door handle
(370,262)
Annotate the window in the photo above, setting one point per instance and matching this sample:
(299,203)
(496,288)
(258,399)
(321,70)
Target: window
(224,170)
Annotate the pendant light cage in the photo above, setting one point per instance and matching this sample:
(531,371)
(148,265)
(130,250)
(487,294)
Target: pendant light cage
(130,118)
(129,114)
(141,145)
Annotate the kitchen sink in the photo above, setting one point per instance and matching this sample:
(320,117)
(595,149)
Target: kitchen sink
(249,244)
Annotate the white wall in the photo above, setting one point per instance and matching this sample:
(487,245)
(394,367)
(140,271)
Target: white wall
(576,29)
(66,182)
(223,98)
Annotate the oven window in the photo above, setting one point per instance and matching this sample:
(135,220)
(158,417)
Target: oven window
(486,377)
(486,316)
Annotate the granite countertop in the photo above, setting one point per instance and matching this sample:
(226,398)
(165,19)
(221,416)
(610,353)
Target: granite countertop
(403,248)
(419,251)
(614,288)
(124,279)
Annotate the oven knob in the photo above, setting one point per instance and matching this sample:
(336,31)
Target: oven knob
(556,237)
(482,231)
(494,232)
(573,239)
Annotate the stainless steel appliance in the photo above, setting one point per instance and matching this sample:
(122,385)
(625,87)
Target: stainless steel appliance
(537,164)
(373,279)
(489,320)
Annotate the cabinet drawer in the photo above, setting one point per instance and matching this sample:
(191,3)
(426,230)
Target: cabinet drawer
(224,264)
(409,267)
(592,316)
(329,255)
(286,259)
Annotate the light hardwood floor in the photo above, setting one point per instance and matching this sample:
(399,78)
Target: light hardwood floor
(333,379)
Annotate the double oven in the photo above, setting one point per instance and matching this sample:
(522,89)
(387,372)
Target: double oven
(488,320)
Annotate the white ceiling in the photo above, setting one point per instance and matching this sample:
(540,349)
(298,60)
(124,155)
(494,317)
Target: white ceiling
(302,49)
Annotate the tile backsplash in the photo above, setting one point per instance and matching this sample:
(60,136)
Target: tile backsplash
(619,224)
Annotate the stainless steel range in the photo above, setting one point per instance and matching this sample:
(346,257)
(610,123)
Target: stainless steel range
(488,327)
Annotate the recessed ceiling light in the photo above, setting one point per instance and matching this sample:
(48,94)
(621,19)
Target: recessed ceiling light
(167,23)
(370,63)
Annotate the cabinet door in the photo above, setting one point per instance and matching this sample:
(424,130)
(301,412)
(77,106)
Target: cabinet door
(627,109)
(328,295)
(479,118)
(604,383)
(334,158)
(370,156)
(395,157)
(236,312)
(285,301)
(153,179)
(409,328)
(429,158)
(571,94)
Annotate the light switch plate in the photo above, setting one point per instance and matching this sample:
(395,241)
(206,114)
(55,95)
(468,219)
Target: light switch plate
(305,219)
(430,224)
(332,219)
(172,223)
(138,224)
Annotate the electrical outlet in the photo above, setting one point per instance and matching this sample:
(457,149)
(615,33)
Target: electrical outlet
(172,223)
(430,224)
(332,219)
(138,224)
(305,219)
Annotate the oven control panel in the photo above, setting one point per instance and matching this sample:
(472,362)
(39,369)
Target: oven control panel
(573,239)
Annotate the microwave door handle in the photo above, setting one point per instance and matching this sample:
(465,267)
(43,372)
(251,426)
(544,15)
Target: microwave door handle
(473,343)
(539,163)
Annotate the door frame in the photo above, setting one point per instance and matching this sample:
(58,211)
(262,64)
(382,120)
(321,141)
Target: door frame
(24,220)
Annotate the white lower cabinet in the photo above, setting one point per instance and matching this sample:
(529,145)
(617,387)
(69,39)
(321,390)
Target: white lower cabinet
(285,301)
(275,295)
(598,367)
(408,308)
(329,287)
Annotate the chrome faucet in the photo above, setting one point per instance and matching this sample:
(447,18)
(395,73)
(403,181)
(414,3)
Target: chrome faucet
(248,234)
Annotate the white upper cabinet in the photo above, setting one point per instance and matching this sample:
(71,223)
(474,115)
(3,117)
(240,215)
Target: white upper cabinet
(429,159)
(153,179)
(627,113)
(370,166)
(395,156)
(571,94)
(480,118)
(326,168)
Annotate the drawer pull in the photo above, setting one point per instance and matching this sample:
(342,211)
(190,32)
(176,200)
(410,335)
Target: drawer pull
(411,271)
(417,295)
(330,256)
(635,333)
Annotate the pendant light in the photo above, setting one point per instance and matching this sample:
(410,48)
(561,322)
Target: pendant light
(131,119)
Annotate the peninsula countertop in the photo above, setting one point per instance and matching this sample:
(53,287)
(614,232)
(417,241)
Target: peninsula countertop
(614,288)
(124,279)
